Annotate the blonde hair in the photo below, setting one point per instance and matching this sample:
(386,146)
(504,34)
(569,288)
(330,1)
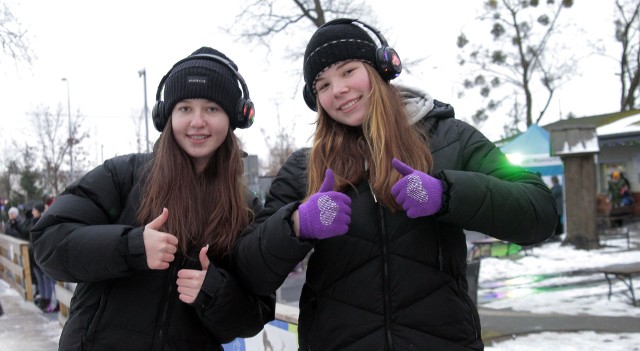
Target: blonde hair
(357,154)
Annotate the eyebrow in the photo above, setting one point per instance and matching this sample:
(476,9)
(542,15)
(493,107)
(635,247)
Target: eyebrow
(338,65)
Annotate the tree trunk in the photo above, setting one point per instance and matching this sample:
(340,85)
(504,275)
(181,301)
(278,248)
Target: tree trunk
(581,206)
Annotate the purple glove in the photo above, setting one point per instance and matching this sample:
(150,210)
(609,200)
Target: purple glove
(326,214)
(418,193)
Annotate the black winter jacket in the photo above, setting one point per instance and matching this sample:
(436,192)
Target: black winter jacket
(90,235)
(17,228)
(392,282)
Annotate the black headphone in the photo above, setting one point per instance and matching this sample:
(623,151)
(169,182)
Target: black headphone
(387,63)
(245,111)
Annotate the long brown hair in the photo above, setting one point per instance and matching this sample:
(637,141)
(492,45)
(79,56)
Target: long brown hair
(205,208)
(385,134)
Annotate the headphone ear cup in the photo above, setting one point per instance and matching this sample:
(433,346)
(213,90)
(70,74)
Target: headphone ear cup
(245,113)
(158,116)
(309,98)
(388,63)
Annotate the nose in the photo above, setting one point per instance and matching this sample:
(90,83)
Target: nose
(339,87)
(198,119)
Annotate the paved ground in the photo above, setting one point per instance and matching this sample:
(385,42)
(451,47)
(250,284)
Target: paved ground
(23,327)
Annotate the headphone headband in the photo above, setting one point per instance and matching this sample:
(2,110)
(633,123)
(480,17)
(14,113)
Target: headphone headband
(378,34)
(245,110)
(215,58)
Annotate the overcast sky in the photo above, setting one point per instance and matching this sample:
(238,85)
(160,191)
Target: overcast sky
(100,47)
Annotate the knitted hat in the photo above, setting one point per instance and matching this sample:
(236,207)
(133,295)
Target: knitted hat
(204,79)
(39,206)
(335,42)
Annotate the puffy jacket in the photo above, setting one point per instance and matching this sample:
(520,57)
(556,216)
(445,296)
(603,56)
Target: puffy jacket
(392,282)
(90,235)
(17,228)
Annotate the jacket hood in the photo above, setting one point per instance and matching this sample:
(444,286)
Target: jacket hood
(419,104)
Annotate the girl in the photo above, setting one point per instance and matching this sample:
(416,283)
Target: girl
(146,236)
(382,197)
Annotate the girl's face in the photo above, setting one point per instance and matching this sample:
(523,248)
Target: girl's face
(199,126)
(344,92)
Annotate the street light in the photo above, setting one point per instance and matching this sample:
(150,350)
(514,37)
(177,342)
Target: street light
(70,140)
(143,73)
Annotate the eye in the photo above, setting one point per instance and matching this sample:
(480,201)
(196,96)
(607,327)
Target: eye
(183,108)
(212,109)
(348,71)
(322,86)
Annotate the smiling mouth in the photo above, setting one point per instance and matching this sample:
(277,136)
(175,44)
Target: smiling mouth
(349,105)
(198,137)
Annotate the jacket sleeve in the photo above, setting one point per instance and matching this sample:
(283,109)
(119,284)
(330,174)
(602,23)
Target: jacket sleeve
(228,311)
(76,239)
(488,194)
(268,251)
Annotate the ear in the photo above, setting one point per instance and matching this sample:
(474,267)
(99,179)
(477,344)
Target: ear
(309,98)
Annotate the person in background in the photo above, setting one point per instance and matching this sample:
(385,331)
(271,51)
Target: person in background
(45,284)
(382,198)
(620,197)
(16,225)
(618,187)
(48,200)
(556,189)
(147,236)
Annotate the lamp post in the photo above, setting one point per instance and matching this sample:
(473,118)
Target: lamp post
(70,140)
(143,73)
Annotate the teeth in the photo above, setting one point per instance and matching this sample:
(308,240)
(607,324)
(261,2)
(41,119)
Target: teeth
(197,137)
(347,106)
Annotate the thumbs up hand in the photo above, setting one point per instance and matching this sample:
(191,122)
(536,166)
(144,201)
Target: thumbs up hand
(159,247)
(418,193)
(190,280)
(326,213)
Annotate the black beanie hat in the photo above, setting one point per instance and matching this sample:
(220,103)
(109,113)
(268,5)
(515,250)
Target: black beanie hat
(39,206)
(204,79)
(335,42)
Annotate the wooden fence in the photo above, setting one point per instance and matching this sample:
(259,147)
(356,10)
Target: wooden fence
(14,265)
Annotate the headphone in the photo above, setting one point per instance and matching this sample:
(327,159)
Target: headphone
(245,111)
(387,63)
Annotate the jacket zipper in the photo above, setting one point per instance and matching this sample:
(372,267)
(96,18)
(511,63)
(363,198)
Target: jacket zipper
(385,276)
(164,320)
(469,309)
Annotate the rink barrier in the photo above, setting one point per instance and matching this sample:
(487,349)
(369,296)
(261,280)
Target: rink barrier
(15,268)
(281,332)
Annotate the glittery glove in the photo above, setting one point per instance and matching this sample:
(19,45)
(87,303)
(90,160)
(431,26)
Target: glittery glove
(326,213)
(418,193)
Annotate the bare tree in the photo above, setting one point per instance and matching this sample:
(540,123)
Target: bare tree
(30,176)
(270,18)
(521,56)
(280,146)
(137,117)
(627,24)
(13,38)
(8,180)
(55,142)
